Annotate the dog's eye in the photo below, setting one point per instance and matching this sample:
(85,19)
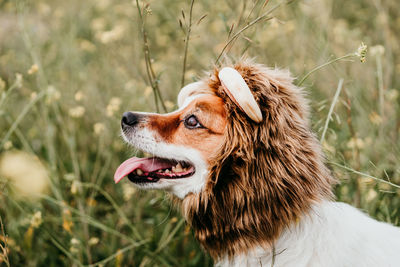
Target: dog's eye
(191,122)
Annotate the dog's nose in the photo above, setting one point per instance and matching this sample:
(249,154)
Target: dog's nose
(129,119)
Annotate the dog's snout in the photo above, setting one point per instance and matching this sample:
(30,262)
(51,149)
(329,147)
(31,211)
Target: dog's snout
(129,119)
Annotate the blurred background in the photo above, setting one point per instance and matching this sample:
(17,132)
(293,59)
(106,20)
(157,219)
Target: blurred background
(68,69)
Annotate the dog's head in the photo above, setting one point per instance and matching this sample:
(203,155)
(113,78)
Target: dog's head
(238,152)
(182,143)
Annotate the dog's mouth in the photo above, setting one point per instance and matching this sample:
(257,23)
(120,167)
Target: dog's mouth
(151,170)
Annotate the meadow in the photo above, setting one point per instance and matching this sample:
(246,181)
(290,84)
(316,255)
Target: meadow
(69,69)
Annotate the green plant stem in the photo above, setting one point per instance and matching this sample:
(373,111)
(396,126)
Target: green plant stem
(255,21)
(334,101)
(42,85)
(379,72)
(324,65)
(112,256)
(64,250)
(21,116)
(153,80)
(90,220)
(189,30)
(7,93)
(356,151)
(115,206)
(365,174)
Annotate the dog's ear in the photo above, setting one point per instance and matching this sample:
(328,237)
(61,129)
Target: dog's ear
(192,89)
(239,92)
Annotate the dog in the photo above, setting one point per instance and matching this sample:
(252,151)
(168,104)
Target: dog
(249,175)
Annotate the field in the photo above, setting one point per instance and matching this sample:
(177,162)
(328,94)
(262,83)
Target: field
(69,69)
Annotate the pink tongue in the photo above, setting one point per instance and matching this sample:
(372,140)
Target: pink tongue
(146,164)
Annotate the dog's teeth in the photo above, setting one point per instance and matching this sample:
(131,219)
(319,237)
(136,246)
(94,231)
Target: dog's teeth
(173,169)
(139,171)
(167,171)
(178,167)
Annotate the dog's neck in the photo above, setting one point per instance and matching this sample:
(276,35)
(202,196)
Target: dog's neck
(233,217)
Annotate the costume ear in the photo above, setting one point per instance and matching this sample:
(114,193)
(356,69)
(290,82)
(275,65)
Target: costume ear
(191,89)
(238,91)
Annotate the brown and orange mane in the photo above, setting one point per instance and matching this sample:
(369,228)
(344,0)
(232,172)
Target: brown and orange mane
(265,176)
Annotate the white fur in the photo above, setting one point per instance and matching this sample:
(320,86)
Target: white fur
(333,235)
(147,141)
(190,91)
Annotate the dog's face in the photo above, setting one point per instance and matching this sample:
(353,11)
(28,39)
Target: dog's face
(182,144)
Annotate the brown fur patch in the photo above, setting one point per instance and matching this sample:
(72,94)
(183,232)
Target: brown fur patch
(265,176)
(209,110)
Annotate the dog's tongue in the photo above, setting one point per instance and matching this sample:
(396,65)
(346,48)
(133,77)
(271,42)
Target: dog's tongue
(145,164)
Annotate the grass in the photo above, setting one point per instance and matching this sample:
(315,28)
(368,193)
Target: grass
(69,69)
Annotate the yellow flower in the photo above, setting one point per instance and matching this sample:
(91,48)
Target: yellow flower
(76,112)
(33,95)
(169,104)
(44,9)
(147,91)
(371,195)
(128,191)
(36,220)
(75,243)
(98,24)
(69,177)
(375,118)
(103,4)
(362,52)
(91,202)
(34,68)
(74,187)
(113,35)
(74,250)
(18,80)
(79,96)
(392,94)
(113,106)
(7,145)
(87,46)
(355,143)
(52,94)
(98,128)
(93,241)
(130,85)
(67,221)
(25,172)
